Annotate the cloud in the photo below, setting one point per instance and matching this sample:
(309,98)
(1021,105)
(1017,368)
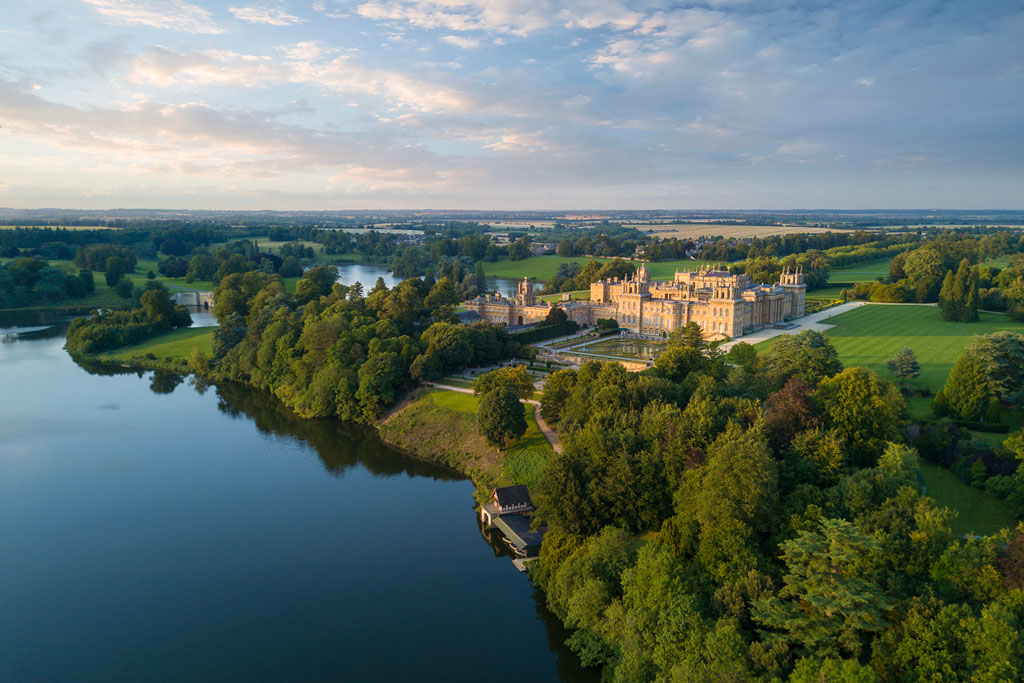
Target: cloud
(462,41)
(174,15)
(322,7)
(265,14)
(197,139)
(518,17)
(307,63)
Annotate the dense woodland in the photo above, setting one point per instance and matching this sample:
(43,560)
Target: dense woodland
(340,351)
(750,517)
(30,281)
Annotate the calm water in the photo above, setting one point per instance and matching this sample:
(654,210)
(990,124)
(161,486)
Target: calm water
(155,530)
(367,275)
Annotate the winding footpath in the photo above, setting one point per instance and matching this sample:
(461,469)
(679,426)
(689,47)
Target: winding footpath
(545,428)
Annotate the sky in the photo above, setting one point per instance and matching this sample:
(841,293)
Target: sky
(512,104)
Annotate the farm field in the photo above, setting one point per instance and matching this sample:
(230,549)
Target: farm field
(979,512)
(60,227)
(692,230)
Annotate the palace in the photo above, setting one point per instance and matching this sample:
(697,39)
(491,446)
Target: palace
(723,304)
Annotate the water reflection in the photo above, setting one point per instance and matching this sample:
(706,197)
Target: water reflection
(339,445)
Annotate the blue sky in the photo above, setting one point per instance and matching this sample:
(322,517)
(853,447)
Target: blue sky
(512,104)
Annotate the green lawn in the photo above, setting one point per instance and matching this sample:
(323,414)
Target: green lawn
(533,440)
(870,335)
(979,512)
(861,272)
(577,295)
(1000,263)
(173,345)
(543,267)
(540,267)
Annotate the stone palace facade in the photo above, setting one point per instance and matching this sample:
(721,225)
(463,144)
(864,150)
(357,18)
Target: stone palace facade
(723,304)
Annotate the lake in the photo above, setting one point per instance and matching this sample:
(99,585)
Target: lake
(367,275)
(155,528)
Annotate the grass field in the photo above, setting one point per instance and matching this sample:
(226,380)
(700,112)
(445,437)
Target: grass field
(870,335)
(540,267)
(442,424)
(1000,262)
(269,247)
(577,295)
(861,272)
(979,512)
(173,345)
(543,267)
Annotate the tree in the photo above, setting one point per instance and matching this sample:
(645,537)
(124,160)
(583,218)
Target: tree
(924,268)
(809,356)
(315,283)
(290,267)
(441,294)
(116,269)
(557,390)
(864,410)
(904,365)
(519,249)
(124,288)
(743,354)
(514,377)
(158,306)
(201,267)
(958,298)
(556,316)
(788,411)
(500,417)
(830,599)
(689,336)
(967,390)
(481,279)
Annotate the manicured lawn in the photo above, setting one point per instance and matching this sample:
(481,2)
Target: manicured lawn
(979,512)
(577,295)
(543,267)
(870,335)
(458,402)
(861,272)
(540,267)
(174,345)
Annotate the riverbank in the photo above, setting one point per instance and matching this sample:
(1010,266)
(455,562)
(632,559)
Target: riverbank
(432,424)
(440,426)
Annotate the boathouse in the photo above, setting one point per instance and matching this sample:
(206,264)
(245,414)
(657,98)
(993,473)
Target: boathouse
(506,500)
(509,510)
